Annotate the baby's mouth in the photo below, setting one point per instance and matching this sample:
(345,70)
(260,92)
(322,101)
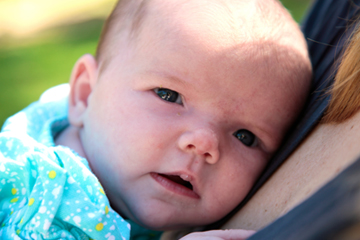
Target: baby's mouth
(176,183)
(178,180)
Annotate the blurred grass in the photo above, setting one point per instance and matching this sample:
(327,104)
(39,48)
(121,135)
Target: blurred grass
(27,70)
(29,67)
(297,8)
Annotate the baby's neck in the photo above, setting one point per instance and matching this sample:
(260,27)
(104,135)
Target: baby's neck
(70,138)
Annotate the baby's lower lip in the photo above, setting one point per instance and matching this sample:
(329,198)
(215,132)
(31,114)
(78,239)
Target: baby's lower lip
(173,186)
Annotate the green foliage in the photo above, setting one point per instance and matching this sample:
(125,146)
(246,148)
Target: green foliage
(297,8)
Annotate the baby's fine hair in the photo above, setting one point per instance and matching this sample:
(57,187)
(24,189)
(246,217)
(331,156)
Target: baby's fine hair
(125,18)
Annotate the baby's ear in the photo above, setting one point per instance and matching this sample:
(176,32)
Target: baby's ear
(82,80)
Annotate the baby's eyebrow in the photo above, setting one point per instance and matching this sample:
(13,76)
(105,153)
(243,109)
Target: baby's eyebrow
(169,77)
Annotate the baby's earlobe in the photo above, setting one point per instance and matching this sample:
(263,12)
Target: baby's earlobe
(82,81)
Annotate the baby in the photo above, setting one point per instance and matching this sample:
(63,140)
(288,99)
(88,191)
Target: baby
(176,117)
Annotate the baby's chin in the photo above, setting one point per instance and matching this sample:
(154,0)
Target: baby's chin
(154,216)
(159,223)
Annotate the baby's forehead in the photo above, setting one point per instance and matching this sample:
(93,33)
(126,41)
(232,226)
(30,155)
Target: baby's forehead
(230,19)
(214,22)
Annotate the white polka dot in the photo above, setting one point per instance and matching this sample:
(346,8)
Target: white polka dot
(77,220)
(47,224)
(22,203)
(42,209)
(56,191)
(89,188)
(78,210)
(70,180)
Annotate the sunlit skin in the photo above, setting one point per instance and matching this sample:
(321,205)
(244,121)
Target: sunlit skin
(140,145)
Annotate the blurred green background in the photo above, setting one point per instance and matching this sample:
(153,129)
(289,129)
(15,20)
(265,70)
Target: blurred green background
(35,56)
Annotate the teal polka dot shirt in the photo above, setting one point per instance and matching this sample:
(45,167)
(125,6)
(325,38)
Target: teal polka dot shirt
(48,191)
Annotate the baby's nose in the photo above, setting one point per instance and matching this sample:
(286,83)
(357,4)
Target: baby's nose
(202,142)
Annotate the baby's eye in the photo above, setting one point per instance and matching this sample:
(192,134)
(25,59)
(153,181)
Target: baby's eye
(246,137)
(168,95)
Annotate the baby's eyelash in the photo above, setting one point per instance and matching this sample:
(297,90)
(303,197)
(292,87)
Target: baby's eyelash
(168,95)
(246,137)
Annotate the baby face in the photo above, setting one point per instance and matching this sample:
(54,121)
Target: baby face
(183,120)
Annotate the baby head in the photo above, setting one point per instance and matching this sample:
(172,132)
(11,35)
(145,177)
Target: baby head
(185,103)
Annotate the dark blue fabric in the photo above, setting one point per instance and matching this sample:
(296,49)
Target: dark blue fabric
(326,28)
